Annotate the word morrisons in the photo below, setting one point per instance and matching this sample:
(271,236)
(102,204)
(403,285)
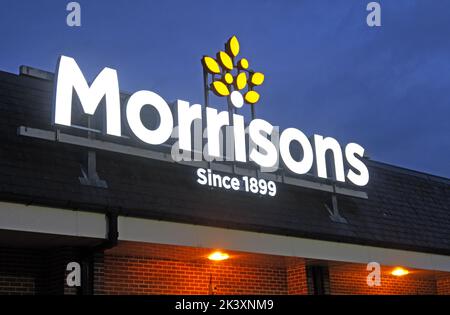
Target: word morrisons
(265,145)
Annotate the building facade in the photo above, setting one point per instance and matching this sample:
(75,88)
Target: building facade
(140,224)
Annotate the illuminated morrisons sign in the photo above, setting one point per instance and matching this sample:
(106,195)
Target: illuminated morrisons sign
(231,78)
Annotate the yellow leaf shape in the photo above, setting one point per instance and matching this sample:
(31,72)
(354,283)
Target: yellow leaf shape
(257,78)
(227,78)
(243,64)
(220,88)
(232,46)
(251,97)
(241,81)
(225,60)
(210,65)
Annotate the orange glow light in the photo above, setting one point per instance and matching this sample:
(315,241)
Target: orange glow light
(399,271)
(218,255)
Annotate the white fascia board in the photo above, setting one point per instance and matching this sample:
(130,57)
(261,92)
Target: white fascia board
(20,217)
(162,232)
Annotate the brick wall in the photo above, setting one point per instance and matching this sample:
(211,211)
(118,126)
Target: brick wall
(443,285)
(138,268)
(133,268)
(31,271)
(19,271)
(351,279)
(296,278)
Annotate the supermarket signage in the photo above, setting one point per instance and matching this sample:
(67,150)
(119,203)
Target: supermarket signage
(260,142)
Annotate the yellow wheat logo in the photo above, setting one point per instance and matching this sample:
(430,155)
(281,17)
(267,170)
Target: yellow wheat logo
(229,75)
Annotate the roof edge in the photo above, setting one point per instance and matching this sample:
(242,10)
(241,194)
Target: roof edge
(408,171)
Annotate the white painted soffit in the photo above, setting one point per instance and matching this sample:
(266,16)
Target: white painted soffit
(152,231)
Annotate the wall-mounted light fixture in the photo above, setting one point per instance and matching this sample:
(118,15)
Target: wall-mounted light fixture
(218,256)
(215,256)
(399,271)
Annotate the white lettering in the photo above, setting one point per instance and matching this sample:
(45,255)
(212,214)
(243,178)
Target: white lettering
(215,122)
(264,138)
(304,165)
(134,106)
(202,180)
(269,159)
(186,116)
(351,151)
(322,145)
(69,77)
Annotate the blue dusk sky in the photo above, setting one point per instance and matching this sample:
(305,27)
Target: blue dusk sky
(386,88)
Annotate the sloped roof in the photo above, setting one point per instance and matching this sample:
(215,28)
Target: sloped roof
(405,209)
